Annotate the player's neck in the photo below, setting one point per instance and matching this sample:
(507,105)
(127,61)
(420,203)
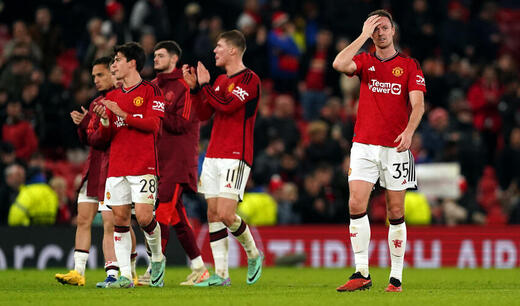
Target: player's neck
(131,79)
(234,67)
(169,70)
(386,52)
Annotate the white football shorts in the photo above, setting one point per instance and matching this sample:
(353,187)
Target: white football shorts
(223,177)
(123,190)
(395,171)
(83,197)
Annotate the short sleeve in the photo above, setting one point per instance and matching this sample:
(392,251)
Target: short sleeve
(416,77)
(358,60)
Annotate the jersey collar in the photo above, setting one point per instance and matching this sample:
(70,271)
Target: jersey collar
(386,59)
(234,75)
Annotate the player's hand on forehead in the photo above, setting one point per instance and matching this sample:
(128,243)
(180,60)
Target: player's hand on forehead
(371,24)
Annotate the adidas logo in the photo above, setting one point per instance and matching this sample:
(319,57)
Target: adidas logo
(228,185)
(372,68)
(404,182)
(217,89)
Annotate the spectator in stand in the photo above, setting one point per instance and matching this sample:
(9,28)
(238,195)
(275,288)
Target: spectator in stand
(148,43)
(256,39)
(14,178)
(96,44)
(150,16)
(454,31)
(267,163)
(435,134)
(486,36)
(312,204)
(321,147)
(418,29)
(483,97)
(286,196)
(508,161)
(509,107)
(65,208)
(282,122)
(36,204)
(284,54)
(19,132)
(116,26)
(21,37)
(32,106)
(187,29)
(317,75)
(47,36)
(18,72)
(7,158)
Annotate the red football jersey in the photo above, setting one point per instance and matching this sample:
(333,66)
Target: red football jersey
(384,106)
(132,151)
(234,99)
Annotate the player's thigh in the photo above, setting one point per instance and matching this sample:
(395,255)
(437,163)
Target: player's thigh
(108,221)
(86,213)
(398,170)
(363,164)
(233,175)
(208,181)
(117,191)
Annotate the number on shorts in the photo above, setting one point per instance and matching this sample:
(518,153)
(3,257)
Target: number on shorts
(398,167)
(151,185)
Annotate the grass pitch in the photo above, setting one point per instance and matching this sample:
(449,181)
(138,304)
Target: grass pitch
(278,286)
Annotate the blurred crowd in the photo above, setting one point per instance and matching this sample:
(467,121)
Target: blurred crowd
(469,51)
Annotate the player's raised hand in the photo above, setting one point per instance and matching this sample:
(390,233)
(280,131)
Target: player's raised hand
(370,25)
(190,76)
(405,141)
(77,117)
(100,110)
(114,108)
(202,74)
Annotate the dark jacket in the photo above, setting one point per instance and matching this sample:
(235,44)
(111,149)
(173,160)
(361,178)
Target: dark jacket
(179,137)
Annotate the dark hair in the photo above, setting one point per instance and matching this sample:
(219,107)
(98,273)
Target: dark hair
(105,60)
(382,13)
(234,37)
(132,51)
(171,46)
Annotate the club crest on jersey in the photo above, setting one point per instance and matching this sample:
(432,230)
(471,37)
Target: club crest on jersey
(169,95)
(349,171)
(397,71)
(108,195)
(138,101)
(231,87)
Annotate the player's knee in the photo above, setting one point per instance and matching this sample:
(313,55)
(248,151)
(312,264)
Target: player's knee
(84,221)
(144,220)
(227,218)
(395,212)
(356,205)
(121,220)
